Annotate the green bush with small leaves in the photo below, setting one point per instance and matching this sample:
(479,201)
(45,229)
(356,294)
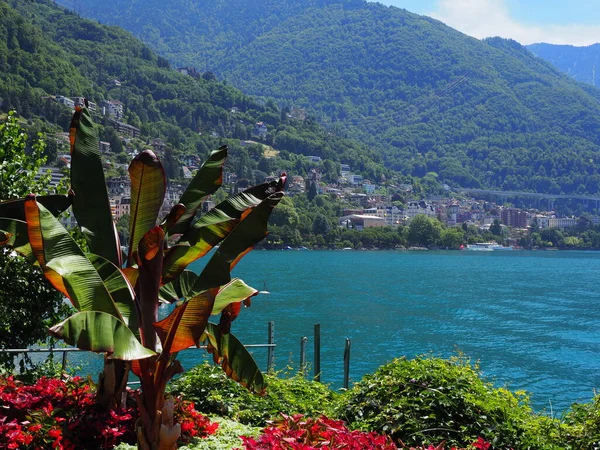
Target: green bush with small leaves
(583,421)
(428,399)
(213,393)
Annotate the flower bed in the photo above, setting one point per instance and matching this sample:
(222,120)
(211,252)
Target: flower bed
(62,414)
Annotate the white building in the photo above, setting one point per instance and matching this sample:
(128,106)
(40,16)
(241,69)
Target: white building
(413,209)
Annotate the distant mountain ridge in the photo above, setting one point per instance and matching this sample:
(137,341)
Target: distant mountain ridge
(428,98)
(580,63)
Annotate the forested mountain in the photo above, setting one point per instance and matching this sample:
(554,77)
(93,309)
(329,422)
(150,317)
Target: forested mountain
(580,63)
(428,98)
(46,50)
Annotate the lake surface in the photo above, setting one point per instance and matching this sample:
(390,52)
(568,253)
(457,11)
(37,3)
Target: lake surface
(532,319)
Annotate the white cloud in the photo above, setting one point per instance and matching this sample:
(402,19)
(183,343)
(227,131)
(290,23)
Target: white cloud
(485,18)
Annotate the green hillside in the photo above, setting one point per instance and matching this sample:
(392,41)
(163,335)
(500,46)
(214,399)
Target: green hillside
(428,98)
(47,51)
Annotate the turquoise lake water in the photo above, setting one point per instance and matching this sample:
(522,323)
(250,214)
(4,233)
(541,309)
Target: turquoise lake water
(532,319)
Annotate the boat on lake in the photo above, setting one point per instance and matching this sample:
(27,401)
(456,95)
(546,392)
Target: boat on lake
(487,247)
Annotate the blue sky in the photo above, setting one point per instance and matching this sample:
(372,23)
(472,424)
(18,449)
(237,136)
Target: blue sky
(575,22)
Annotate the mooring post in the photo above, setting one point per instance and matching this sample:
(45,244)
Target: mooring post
(347,363)
(303,342)
(271,348)
(64,362)
(317,355)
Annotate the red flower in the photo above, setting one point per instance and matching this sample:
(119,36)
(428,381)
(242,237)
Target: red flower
(35,428)
(481,444)
(55,433)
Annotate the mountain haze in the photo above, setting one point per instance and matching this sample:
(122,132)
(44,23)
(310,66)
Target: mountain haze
(428,98)
(580,63)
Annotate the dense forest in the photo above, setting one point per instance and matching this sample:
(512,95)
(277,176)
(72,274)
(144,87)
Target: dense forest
(424,96)
(46,50)
(580,63)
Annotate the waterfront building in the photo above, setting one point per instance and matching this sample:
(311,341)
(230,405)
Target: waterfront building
(513,217)
(562,222)
(362,221)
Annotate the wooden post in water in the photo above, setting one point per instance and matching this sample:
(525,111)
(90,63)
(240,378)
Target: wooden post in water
(271,349)
(347,363)
(303,342)
(317,355)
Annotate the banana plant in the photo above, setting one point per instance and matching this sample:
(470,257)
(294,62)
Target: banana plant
(117,296)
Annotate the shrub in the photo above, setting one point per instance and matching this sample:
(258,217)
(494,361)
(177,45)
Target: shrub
(583,422)
(62,414)
(300,432)
(214,393)
(431,400)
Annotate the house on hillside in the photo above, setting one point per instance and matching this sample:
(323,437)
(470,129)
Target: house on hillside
(120,206)
(112,108)
(125,128)
(159,146)
(298,113)
(189,71)
(119,186)
(80,101)
(65,101)
(354,179)
(260,130)
(104,147)
(415,208)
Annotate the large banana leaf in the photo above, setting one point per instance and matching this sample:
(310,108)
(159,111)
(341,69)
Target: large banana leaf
(173,217)
(63,262)
(150,258)
(234,292)
(182,289)
(15,209)
(91,205)
(213,227)
(100,332)
(206,182)
(251,230)
(148,186)
(234,358)
(184,327)
(178,289)
(119,288)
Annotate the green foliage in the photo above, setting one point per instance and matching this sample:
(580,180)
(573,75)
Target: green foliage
(584,423)
(424,231)
(452,238)
(226,437)
(213,393)
(28,305)
(19,168)
(429,400)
